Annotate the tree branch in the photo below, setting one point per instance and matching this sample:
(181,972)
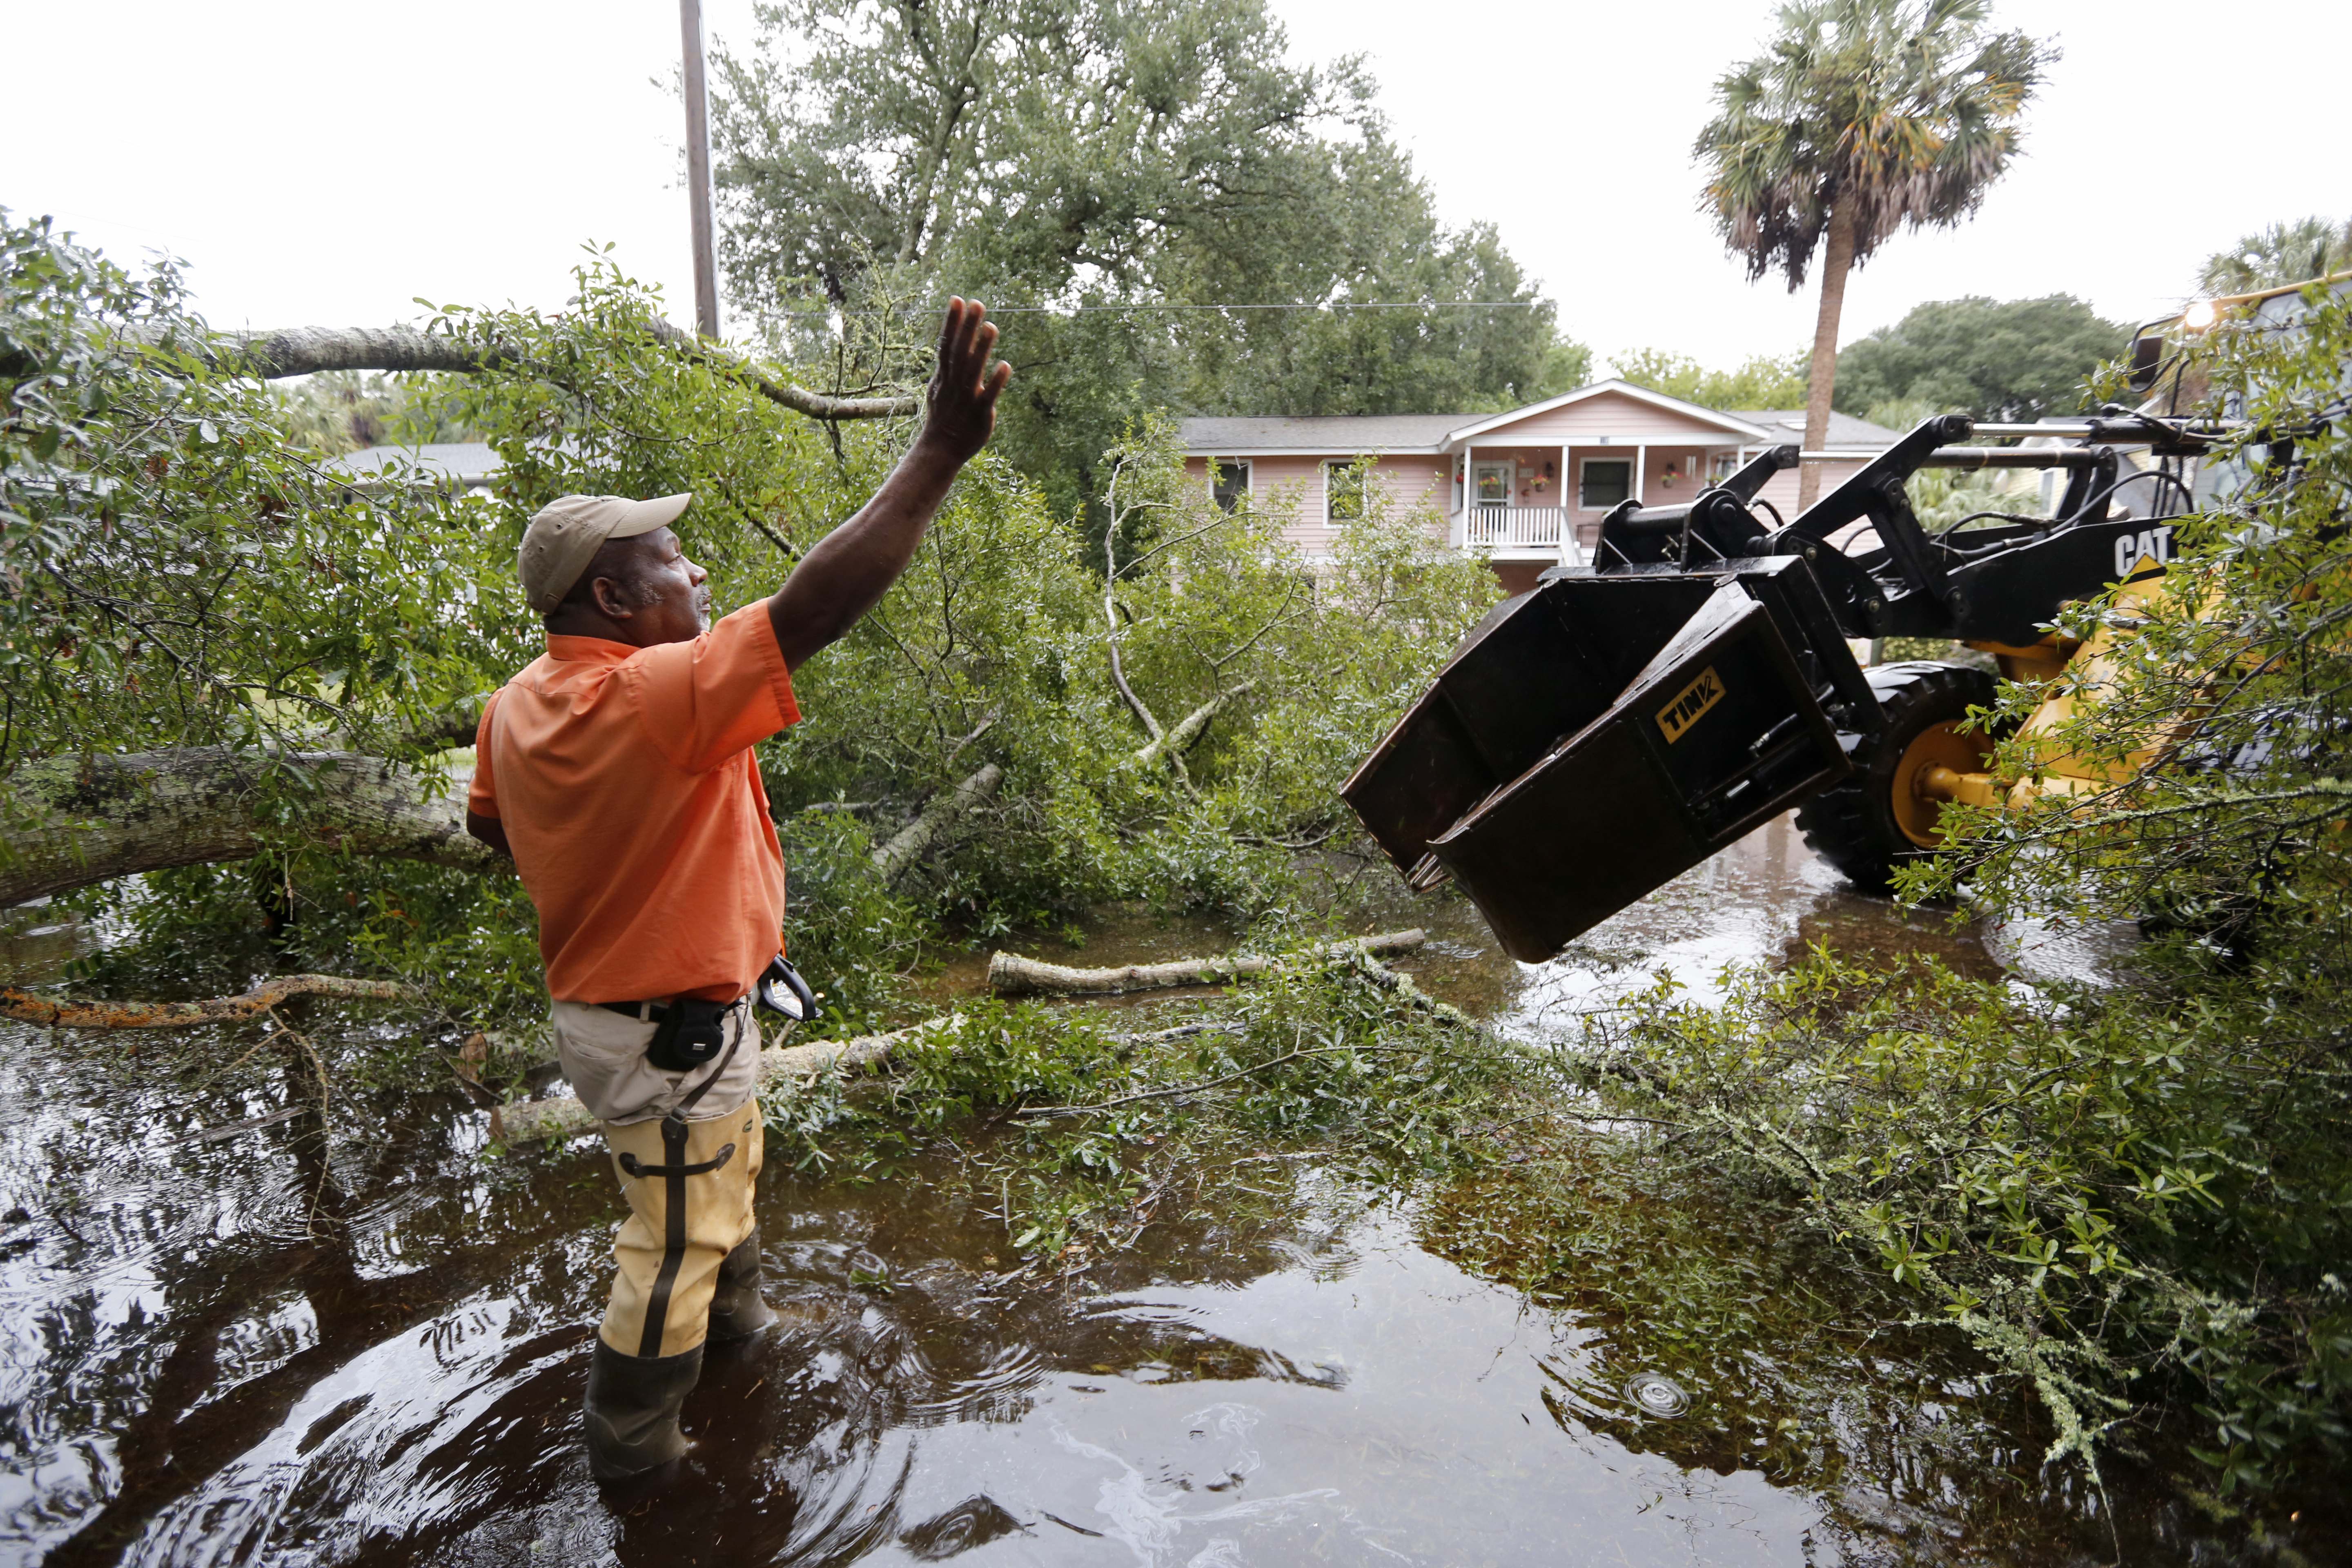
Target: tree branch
(1010,975)
(305,351)
(562,1116)
(53,1012)
(73,821)
(1188,729)
(896,859)
(1110,606)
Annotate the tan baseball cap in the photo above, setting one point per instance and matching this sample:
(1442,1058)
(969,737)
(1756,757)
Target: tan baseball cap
(564,535)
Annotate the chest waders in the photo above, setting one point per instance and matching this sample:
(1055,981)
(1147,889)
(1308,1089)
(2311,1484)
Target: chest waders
(688,1258)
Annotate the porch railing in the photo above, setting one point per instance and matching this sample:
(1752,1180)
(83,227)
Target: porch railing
(1495,527)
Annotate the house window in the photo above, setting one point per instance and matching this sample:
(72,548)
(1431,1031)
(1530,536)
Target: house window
(1229,483)
(1494,482)
(1726,464)
(1343,492)
(1601,484)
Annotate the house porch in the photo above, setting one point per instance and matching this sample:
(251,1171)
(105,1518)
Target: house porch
(1546,500)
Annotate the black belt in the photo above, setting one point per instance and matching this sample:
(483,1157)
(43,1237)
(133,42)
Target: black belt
(779,989)
(649,1011)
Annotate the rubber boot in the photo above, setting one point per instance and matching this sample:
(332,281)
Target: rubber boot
(736,1309)
(633,1404)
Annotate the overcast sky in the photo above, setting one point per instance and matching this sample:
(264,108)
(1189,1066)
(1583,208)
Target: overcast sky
(320,162)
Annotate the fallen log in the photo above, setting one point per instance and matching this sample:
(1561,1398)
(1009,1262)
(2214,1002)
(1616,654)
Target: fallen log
(1012,976)
(305,351)
(899,855)
(64,1013)
(76,820)
(1400,986)
(561,1116)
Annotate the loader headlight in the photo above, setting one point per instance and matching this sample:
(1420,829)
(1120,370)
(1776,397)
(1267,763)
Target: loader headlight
(2199,316)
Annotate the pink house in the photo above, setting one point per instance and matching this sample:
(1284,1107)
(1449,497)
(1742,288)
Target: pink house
(1527,489)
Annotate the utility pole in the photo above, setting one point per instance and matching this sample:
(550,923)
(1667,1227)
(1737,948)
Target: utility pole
(698,170)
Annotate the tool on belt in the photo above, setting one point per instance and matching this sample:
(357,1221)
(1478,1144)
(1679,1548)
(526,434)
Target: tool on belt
(782,990)
(688,1033)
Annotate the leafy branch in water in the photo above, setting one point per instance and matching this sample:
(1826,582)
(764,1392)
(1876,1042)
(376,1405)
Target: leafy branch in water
(1328,1053)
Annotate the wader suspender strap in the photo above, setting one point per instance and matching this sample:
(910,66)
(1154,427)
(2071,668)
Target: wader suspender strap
(674,1171)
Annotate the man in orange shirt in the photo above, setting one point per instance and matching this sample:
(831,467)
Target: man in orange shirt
(618,771)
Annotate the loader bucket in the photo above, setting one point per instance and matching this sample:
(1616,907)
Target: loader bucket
(1592,740)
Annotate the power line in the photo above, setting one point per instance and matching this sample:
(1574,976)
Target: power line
(1084,310)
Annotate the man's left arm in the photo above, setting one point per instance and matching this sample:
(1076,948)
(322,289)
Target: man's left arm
(482,820)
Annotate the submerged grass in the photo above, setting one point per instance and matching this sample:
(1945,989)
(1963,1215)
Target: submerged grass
(2136,1207)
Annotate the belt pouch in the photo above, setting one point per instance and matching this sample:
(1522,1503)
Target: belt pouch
(690,1035)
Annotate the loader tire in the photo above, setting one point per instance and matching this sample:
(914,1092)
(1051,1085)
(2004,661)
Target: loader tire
(1872,822)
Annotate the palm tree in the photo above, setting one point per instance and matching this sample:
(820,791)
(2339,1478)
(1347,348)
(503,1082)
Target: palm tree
(2281,254)
(1863,117)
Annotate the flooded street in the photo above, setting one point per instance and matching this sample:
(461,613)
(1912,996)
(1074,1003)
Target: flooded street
(224,1341)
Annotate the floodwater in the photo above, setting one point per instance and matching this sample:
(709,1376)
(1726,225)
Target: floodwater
(224,1340)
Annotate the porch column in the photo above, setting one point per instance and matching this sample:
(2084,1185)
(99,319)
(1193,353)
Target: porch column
(1641,469)
(1570,555)
(1469,479)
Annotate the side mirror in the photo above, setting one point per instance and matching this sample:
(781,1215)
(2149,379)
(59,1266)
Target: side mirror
(2147,360)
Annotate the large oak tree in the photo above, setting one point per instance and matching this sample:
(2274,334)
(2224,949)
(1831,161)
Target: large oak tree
(1159,164)
(1997,359)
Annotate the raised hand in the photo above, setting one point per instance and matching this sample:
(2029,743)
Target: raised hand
(847,570)
(959,405)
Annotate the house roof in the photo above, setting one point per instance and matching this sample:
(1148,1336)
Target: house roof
(1846,430)
(1730,424)
(1348,434)
(467,463)
(1335,433)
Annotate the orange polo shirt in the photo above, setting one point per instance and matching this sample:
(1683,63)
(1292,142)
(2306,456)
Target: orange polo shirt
(630,792)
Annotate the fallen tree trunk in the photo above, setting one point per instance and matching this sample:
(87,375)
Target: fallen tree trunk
(562,1116)
(1401,987)
(64,1013)
(897,857)
(305,351)
(1011,976)
(1180,739)
(907,848)
(74,821)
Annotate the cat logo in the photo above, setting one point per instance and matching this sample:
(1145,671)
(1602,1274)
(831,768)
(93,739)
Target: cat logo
(2154,544)
(1677,717)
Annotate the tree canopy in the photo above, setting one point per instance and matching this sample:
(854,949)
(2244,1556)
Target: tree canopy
(176,571)
(1118,179)
(1766,380)
(1903,116)
(1995,359)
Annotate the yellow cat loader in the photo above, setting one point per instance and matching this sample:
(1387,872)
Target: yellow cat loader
(1594,738)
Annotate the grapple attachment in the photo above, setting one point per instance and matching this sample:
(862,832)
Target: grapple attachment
(1596,738)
